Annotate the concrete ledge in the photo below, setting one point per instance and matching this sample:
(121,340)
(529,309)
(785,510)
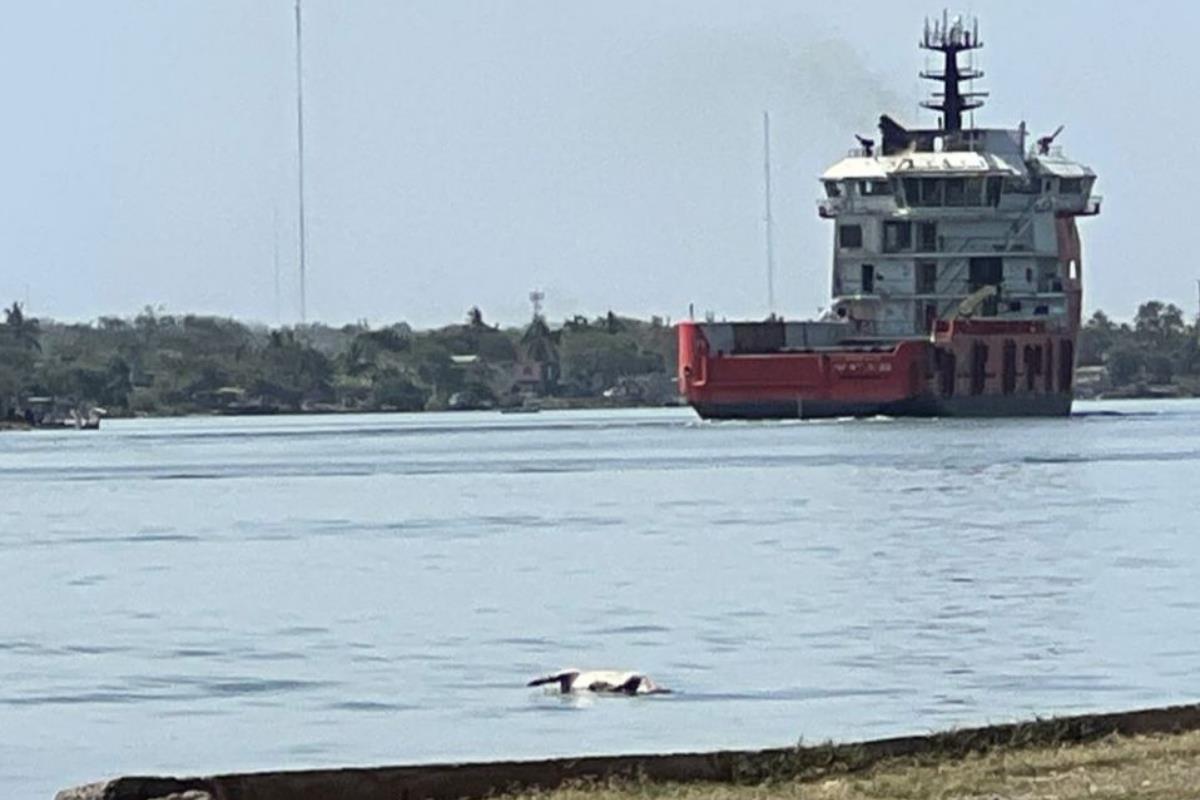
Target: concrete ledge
(477,780)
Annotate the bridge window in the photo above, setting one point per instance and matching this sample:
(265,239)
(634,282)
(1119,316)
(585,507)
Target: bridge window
(931,191)
(850,236)
(974,191)
(833,189)
(1070,185)
(874,188)
(956,192)
(897,236)
(993,191)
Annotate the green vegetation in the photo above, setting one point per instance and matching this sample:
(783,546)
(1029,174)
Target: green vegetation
(1163,767)
(1158,354)
(165,364)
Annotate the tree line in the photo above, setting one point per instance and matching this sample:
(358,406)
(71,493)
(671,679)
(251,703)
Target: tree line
(157,363)
(1159,348)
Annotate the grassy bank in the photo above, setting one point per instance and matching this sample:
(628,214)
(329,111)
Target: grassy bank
(1159,766)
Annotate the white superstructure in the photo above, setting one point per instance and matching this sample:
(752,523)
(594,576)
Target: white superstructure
(931,218)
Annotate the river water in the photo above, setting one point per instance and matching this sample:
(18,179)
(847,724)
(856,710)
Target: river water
(205,595)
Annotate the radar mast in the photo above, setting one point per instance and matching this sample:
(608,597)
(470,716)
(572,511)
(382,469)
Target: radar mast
(951,37)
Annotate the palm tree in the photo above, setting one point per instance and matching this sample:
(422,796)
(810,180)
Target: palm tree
(23,331)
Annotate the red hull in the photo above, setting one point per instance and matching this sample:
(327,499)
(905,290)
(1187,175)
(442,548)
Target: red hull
(968,367)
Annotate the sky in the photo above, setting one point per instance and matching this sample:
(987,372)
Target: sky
(464,153)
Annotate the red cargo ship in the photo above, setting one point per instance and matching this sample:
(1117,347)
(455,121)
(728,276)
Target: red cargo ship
(957,279)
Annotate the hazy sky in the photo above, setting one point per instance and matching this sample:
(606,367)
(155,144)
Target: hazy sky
(463,153)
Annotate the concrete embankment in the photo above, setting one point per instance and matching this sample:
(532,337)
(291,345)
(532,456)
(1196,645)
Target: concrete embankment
(477,780)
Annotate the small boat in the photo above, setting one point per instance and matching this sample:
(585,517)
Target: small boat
(46,412)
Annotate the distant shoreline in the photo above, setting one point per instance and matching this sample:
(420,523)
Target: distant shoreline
(549,404)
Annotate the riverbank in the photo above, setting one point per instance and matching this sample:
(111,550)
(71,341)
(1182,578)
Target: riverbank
(1146,753)
(1158,766)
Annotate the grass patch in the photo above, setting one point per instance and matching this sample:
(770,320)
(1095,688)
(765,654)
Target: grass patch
(1158,767)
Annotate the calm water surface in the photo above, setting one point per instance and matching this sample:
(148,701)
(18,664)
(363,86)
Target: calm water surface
(204,595)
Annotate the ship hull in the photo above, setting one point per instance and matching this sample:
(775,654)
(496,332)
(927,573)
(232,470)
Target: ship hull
(920,406)
(965,369)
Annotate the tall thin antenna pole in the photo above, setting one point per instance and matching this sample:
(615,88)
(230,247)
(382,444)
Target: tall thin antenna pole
(767,217)
(275,254)
(300,159)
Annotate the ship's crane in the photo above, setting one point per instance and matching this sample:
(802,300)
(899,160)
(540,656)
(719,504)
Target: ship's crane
(1043,143)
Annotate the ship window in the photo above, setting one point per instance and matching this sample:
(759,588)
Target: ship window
(979,357)
(897,236)
(926,277)
(1066,365)
(850,236)
(993,191)
(871,188)
(927,237)
(956,192)
(931,191)
(985,272)
(1009,374)
(912,191)
(868,278)
(974,191)
(1070,186)
(833,189)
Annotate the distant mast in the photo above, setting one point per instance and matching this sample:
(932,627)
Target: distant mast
(300,160)
(275,259)
(767,213)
